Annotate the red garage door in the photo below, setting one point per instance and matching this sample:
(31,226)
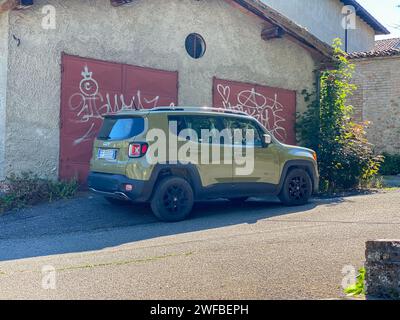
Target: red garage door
(274,108)
(93,88)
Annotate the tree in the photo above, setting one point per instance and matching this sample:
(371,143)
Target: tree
(345,156)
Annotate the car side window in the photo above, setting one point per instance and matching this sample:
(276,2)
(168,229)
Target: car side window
(241,128)
(180,121)
(212,125)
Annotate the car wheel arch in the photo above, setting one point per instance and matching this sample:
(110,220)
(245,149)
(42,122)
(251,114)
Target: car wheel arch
(187,172)
(290,165)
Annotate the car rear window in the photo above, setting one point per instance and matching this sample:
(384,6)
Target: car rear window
(121,128)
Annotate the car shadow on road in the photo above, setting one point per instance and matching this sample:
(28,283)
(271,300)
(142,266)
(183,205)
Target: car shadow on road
(90,223)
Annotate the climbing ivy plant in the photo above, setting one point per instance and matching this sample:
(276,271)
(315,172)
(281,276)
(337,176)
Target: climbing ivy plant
(346,158)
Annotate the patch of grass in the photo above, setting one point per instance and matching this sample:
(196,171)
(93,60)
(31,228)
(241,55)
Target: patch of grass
(27,189)
(391,188)
(373,183)
(366,187)
(357,289)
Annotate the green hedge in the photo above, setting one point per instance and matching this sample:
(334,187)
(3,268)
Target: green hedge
(391,166)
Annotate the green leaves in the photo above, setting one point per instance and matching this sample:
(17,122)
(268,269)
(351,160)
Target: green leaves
(345,157)
(359,287)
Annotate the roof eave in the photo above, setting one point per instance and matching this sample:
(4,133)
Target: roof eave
(291,28)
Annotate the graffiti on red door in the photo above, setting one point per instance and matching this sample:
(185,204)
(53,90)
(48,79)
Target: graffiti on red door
(92,89)
(275,108)
(89,104)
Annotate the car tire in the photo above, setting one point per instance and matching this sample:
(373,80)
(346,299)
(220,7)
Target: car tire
(173,199)
(296,189)
(117,202)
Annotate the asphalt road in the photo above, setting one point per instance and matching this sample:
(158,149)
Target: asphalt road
(260,250)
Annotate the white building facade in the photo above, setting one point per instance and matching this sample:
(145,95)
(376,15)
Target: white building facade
(326,20)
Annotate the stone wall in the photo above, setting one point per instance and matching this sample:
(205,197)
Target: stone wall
(377,99)
(383,269)
(148,33)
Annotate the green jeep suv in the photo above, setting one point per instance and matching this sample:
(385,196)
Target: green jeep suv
(172,157)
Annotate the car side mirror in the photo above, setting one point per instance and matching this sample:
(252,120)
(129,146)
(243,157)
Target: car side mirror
(267,139)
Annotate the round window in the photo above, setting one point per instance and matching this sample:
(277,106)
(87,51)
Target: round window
(195,45)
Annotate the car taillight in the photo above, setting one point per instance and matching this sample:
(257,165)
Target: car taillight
(138,150)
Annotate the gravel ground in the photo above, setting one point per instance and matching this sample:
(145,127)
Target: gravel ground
(260,250)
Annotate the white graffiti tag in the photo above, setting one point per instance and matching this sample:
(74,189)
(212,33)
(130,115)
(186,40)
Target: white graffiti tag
(266,110)
(90,104)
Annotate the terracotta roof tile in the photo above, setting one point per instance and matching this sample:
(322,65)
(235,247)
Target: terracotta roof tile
(383,48)
(388,44)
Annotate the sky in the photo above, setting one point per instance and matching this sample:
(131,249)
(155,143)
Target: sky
(385,12)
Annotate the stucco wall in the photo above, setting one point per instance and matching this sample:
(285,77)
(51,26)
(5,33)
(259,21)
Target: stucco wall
(377,99)
(3,87)
(323,18)
(149,33)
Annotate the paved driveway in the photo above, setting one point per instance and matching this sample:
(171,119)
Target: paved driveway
(260,250)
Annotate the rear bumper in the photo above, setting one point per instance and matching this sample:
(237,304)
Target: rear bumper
(114,186)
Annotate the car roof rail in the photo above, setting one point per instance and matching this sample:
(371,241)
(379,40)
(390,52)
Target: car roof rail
(198,109)
(230,111)
(163,109)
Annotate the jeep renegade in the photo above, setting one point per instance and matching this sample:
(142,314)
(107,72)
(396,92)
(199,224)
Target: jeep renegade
(122,168)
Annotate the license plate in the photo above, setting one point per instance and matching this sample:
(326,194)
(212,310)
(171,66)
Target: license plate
(107,154)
